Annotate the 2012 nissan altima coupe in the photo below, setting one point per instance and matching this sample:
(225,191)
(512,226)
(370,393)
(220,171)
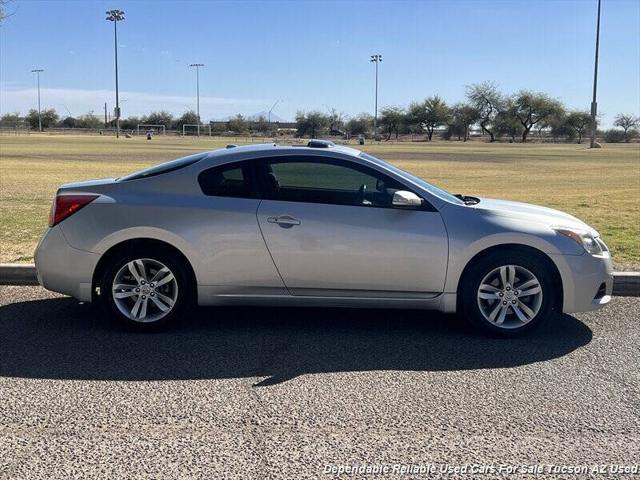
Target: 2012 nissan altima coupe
(314,225)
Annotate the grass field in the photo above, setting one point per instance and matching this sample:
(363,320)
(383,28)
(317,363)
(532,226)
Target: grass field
(602,187)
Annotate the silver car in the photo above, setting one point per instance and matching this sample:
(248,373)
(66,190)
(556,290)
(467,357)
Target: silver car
(315,225)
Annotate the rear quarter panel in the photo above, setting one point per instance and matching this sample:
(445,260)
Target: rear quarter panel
(219,236)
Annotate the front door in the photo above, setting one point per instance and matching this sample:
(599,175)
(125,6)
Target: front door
(331,230)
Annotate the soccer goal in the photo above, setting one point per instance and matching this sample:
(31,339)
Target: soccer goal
(195,129)
(156,128)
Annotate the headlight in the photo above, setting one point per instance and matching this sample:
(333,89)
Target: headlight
(583,238)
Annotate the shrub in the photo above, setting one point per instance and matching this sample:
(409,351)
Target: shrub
(614,136)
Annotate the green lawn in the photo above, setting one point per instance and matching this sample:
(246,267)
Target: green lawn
(600,186)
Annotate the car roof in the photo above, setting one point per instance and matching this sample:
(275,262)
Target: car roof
(277,149)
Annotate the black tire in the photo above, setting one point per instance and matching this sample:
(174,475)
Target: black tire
(185,288)
(534,263)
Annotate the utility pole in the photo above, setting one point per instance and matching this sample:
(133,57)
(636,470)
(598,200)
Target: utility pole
(105,115)
(594,103)
(197,65)
(37,71)
(376,58)
(116,16)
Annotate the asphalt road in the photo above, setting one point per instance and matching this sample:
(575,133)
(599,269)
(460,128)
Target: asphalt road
(258,393)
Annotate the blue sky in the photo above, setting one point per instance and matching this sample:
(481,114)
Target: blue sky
(314,55)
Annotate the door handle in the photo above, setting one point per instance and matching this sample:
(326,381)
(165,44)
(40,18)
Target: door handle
(285,221)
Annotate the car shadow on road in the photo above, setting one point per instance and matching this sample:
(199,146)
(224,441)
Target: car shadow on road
(60,339)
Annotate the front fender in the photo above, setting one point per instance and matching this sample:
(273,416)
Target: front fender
(472,232)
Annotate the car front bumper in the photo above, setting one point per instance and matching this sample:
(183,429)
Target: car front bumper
(587,281)
(62,268)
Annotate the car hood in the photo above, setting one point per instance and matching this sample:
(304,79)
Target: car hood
(533,213)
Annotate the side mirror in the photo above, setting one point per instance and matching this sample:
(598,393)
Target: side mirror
(402,198)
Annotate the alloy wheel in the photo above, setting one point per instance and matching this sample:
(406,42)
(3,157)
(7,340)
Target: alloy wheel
(145,290)
(509,296)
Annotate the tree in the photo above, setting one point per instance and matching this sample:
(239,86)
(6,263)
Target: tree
(261,124)
(463,115)
(129,123)
(488,102)
(579,122)
(88,121)
(531,108)
(335,119)
(614,135)
(506,122)
(237,124)
(560,127)
(159,118)
(49,118)
(11,120)
(428,115)
(626,123)
(310,123)
(360,124)
(189,117)
(68,122)
(391,120)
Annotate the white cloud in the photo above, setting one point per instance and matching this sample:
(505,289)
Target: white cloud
(79,101)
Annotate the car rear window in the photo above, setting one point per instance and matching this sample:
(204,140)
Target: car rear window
(231,180)
(164,167)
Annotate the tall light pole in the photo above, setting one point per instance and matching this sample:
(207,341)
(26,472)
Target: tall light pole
(377,58)
(38,71)
(594,104)
(197,65)
(116,16)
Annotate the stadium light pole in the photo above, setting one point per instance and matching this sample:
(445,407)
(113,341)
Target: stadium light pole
(376,58)
(594,104)
(197,65)
(38,71)
(116,16)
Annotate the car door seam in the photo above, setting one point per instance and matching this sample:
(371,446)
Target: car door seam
(266,245)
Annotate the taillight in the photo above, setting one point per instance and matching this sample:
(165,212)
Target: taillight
(66,205)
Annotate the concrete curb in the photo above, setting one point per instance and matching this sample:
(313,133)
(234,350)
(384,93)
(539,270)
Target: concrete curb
(625,284)
(18,274)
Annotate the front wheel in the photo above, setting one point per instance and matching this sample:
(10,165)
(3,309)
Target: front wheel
(145,292)
(508,294)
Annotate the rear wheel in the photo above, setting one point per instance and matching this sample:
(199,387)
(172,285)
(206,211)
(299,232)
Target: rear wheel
(145,290)
(508,294)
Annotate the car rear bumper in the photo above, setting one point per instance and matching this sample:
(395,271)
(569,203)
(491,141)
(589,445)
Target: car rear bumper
(62,268)
(587,281)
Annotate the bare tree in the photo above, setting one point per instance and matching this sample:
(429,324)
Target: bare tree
(626,123)
(487,101)
(335,119)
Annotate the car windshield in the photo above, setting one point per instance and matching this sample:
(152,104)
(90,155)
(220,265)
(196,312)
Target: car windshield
(417,180)
(164,167)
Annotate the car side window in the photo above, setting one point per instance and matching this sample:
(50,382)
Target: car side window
(326,180)
(234,180)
